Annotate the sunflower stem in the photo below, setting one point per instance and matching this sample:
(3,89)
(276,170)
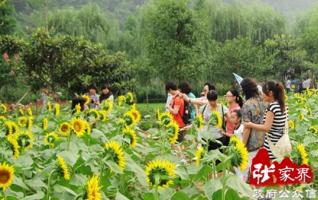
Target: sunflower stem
(4,194)
(68,142)
(48,184)
(157,196)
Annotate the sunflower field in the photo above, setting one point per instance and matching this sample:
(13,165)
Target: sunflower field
(108,154)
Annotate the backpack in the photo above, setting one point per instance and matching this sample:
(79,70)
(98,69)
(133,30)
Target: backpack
(186,117)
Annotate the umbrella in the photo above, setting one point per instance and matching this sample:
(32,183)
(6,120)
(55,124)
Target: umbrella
(238,78)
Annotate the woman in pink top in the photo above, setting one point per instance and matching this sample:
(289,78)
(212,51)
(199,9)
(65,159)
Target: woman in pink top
(235,102)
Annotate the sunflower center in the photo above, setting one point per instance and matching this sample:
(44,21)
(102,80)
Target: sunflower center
(77,126)
(4,176)
(64,128)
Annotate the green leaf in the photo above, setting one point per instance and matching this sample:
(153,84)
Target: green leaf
(232,195)
(216,195)
(138,171)
(62,189)
(238,185)
(36,196)
(149,196)
(36,183)
(180,195)
(212,186)
(120,196)
(18,181)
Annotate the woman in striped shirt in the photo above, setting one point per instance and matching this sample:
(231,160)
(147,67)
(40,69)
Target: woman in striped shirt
(276,114)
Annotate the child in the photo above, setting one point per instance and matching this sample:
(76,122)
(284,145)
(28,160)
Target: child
(236,119)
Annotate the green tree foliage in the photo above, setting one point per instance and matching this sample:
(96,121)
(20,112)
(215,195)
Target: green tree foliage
(240,56)
(88,22)
(286,53)
(59,61)
(170,28)
(307,30)
(7,20)
(225,21)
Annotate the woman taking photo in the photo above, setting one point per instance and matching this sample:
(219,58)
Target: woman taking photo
(276,115)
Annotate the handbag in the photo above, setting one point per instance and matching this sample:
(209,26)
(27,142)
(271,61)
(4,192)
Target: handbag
(283,146)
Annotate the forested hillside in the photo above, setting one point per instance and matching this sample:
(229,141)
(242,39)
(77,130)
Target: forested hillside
(160,40)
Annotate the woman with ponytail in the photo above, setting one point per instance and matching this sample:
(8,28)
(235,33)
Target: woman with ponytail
(276,114)
(235,102)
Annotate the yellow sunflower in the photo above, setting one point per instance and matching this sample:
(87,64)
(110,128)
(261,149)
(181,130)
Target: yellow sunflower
(198,121)
(303,155)
(22,121)
(309,111)
(135,113)
(6,175)
(129,119)
(88,128)
(49,106)
(107,105)
(78,126)
(198,155)
(301,117)
(14,146)
(165,118)
(160,173)
(94,113)
(3,109)
(116,153)
(21,111)
(130,98)
(63,167)
(132,136)
(216,119)
(102,115)
(50,139)
(173,132)
(57,109)
(291,124)
(30,123)
(87,99)
(78,108)
(11,127)
(65,129)
(121,100)
(45,123)
(29,111)
(313,129)
(239,153)
(2,118)
(25,140)
(93,189)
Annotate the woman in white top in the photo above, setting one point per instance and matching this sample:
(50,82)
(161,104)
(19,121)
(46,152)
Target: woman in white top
(106,94)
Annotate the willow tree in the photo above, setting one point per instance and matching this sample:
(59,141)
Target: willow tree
(88,21)
(226,21)
(170,33)
(307,30)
